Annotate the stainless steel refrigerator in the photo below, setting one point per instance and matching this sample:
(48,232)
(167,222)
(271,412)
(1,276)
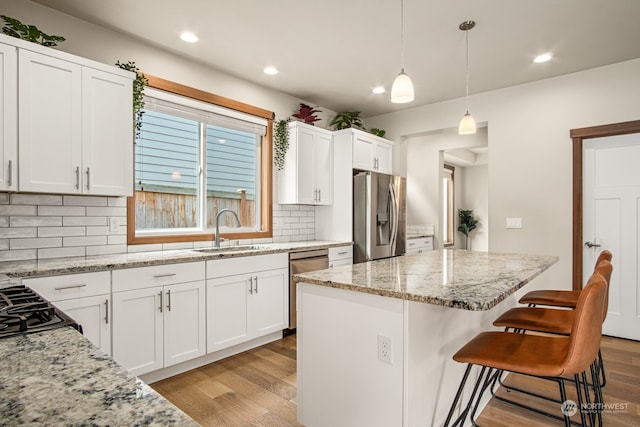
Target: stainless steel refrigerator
(379,216)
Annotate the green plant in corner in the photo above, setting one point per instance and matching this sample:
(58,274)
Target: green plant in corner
(280,142)
(346,120)
(138,93)
(466,223)
(378,132)
(14,28)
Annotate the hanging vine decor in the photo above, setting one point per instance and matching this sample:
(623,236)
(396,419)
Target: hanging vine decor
(280,143)
(138,93)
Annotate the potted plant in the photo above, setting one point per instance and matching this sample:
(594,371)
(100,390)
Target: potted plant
(378,132)
(346,120)
(466,224)
(14,28)
(307,114)
(280,143)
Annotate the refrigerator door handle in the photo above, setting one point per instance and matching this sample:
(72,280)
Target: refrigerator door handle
(394,218)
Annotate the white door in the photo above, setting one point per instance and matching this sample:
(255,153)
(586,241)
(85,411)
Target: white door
(184,322)
(49,124)
(611,180)
(8,117)
(137,329)
(92,313)
(269,304)
(107,134)
(227,311)
(384,157)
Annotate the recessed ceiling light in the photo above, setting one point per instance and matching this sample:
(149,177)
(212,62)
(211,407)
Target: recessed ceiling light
(542,58)
(271,71)
(189,37)
(379,89)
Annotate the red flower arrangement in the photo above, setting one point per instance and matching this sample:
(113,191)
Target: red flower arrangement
(307,114)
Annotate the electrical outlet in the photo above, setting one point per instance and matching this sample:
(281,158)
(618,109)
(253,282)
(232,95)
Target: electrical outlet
(514,223)
(385,350)
(114,224)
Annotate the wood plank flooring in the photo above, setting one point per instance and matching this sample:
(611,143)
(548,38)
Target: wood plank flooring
(258,388)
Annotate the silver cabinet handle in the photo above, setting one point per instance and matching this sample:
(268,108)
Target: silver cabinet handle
(160,306)
(591,245)
(61,288)
(250,285)
(159,276)
(10,168)
(331,265)
(169,300)
(77,177)
(319,195)
(315,195)
(106,311)
(88,178)
(343,253)
(256,282)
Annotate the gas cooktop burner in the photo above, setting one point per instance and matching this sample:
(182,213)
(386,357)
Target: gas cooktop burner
(23,311)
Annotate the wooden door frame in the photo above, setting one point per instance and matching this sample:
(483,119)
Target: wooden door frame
(577,136)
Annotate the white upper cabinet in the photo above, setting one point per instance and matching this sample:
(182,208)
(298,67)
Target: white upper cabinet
(372,153)
(307,177)
(8,117)
(74,121)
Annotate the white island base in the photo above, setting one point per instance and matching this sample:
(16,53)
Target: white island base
(342,380)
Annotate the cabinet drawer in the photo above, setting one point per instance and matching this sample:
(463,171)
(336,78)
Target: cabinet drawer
(419,244)
(59,288)
(157,275)
(342,252)
(238,265)
(339,262)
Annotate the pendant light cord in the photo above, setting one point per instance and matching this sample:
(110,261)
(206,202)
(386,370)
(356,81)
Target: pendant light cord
(402,35)
(467,38)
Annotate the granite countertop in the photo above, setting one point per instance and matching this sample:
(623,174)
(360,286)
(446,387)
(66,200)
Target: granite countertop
(449,277)
(58,377)
(70,265)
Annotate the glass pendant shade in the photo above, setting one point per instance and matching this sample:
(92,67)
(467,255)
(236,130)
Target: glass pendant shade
(467,125)
(402,89)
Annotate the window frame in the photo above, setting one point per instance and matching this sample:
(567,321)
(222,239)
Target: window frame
(449,198)
(266,168)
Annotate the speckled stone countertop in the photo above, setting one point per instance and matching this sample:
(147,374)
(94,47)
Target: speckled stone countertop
(49,267)
(58,377)
(452,278)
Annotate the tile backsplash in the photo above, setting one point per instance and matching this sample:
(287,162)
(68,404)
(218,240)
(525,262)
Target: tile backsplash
(40,226)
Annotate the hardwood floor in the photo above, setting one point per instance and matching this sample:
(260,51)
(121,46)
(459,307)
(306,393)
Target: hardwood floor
(258,388)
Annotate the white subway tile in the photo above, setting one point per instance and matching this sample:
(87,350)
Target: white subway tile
(4,221)
(36,221)
(106,250)
(117,240)
(281,239)
(106,211)
(4,244)
(84,220)
(60,231)
(117,201)
(177,245)
(290,207)
(36,199)
(101,230)
(36,243)
(144,248)
(4,198)
(61,252)
(18,255)
(84,201)
(20,232)
(18,210)
(61,210)
(291,219)
(84,241)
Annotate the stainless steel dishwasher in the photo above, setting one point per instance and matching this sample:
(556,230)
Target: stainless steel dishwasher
(303,262)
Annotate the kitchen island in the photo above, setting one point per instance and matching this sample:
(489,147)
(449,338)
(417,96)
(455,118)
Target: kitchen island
(376,339)
(57,377)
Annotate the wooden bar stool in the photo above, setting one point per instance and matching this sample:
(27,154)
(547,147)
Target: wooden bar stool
(554,320)
(546,356)
(559,298)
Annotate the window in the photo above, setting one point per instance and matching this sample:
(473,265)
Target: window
(448,207)
(197,154)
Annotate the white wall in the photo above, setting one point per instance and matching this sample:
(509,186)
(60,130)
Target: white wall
(530,167)
(474,195)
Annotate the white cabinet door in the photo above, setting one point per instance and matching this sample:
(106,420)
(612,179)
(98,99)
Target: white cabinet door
(137,329)
(268,303)
(383,157)
(227,322)
(184,322)
(8,117)
(323,169)
(107,134)
(49,124)
(339,262)
(363,153)
(306,143)
(92,313)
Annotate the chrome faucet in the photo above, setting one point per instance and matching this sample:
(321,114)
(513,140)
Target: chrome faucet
(216,241)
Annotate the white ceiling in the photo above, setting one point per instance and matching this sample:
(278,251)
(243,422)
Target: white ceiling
(333,52)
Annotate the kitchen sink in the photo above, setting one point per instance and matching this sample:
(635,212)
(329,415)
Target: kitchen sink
(229,249)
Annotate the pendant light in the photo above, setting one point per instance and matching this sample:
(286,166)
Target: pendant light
(467,124)
(402,88)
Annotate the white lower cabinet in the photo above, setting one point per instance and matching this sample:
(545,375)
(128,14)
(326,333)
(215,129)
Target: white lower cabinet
(84,297)
(419,244)
(158,326)
(342,255)
(244,306)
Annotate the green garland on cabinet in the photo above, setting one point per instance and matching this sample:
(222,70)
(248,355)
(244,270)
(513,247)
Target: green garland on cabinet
(14,28)
(138,93)
(280,143)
